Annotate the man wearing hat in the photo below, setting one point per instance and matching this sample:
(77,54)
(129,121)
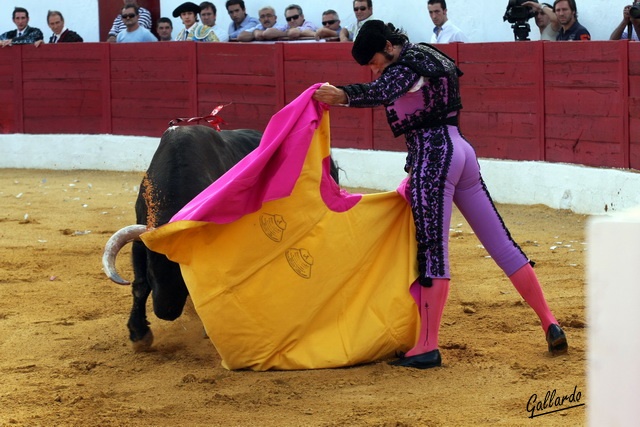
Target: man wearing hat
(193,30)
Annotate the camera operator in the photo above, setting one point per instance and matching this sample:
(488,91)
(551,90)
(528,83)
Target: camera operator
(546,20)
(567,13)
(622,30)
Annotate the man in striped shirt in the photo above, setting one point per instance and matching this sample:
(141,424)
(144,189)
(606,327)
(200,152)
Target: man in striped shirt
(144,19)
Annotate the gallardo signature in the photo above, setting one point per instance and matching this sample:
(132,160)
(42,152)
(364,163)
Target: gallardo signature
(536,407)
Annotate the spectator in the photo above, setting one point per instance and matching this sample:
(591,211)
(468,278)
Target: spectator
(164,28)
(330,26)
(567,13)
(144,19)
(546,20)
(268,20)
(444,31)
(61,34)
(240,20)
(23,34)
(208,14)
(193,30)
(363,10)
(628,23)
(133,33)
(298,26)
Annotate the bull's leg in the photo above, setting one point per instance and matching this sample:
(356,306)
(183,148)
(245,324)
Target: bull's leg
(139,332)
(169,299)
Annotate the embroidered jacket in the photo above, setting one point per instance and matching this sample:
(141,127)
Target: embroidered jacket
(29,35)
(410,106)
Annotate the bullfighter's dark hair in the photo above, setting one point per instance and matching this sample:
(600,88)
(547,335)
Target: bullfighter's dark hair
(19,9)
(372,38)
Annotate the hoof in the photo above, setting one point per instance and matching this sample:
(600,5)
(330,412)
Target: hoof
(144,344)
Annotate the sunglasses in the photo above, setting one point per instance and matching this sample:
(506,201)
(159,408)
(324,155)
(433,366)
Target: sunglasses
(330,22)
(128,15)
(292,17)
(361,8)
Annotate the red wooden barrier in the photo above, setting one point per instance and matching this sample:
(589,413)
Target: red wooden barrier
(63,88)
(502,99)
(249,76)
(634,105)
(568,102)
(586,103)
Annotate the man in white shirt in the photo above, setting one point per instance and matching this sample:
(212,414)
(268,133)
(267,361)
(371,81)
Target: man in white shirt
(208,15)
(444,31)
(546,19)
(363,10)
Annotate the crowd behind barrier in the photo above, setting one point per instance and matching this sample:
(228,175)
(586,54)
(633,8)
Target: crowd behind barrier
(559,102)
(603,18)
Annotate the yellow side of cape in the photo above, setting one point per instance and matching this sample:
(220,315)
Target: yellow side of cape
(296,285)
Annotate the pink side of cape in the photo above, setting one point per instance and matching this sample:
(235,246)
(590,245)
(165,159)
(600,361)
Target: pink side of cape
(269,172)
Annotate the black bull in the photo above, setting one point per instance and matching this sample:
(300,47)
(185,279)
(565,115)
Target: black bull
(187,160)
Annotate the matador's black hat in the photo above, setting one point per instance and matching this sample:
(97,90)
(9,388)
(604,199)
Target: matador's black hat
(186,7)
(370,40)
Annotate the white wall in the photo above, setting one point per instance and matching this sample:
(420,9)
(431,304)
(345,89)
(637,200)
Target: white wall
(557,185)
(482,21)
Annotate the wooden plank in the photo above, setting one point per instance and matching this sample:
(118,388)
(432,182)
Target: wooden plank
(241,93)
(579,128)
(236,79)
(321,52)
(236,58)
(634,59)
(151,70)
(495,53)
(68,124)
(150,90)
(588,153)
(501,125)
(9,59)
(494,100)
(106,125)
(18,125)
(575,101)
(149,52)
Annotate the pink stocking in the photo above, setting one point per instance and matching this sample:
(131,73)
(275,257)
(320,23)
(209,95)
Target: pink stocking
(526,283)
(431,304)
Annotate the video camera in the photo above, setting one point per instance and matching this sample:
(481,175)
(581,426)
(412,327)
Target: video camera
(518,15)
(634,12)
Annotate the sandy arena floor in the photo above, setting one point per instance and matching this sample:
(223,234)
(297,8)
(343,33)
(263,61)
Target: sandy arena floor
(65,357)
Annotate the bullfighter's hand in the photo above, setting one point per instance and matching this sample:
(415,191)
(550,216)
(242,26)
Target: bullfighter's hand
(330,94)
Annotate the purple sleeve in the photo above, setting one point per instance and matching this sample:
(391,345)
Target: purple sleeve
(394,82)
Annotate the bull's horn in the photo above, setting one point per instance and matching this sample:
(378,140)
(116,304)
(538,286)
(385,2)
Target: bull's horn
(114,244)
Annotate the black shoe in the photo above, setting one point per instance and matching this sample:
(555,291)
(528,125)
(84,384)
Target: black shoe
(557,340)
(430,359)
